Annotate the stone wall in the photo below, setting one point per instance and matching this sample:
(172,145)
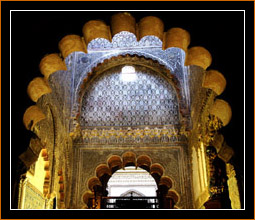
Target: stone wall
(173,159)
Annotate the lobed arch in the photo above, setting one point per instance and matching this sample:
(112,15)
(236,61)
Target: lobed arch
(103,173)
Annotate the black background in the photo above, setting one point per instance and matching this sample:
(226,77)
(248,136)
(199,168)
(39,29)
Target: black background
(37,33)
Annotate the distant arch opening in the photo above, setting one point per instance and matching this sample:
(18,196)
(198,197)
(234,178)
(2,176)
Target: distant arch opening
(131,188)
(132,182)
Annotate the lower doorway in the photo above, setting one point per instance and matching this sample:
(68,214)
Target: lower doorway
(131,188)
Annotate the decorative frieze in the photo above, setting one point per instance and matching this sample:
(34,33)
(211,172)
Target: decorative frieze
(123,40)
(134,135)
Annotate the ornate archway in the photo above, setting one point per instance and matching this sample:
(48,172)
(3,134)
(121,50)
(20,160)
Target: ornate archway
(93,198)
(169,109)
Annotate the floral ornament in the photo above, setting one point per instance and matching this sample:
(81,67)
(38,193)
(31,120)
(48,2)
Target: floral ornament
(94,133)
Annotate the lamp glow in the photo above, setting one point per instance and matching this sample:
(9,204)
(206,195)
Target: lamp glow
(128,74)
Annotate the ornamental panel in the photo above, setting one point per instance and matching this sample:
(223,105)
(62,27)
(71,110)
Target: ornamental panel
(138,98)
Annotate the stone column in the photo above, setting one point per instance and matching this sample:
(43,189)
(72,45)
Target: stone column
(234,194)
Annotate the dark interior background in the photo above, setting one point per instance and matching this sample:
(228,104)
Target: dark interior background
(37,33)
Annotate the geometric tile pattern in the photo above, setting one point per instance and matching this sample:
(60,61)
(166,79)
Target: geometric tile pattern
(146,100)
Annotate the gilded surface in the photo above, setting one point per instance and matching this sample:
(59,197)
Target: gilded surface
(165,134)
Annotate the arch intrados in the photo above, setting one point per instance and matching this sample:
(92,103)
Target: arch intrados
(97,71)
(138,60)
